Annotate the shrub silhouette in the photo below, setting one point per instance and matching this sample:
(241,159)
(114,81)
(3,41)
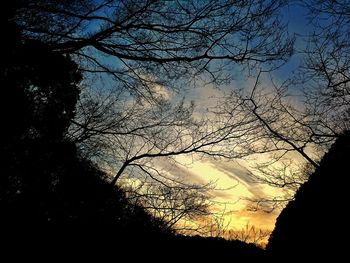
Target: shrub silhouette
(315,222)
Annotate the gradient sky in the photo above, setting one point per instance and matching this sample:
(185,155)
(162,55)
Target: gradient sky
(232,178)
(233,181)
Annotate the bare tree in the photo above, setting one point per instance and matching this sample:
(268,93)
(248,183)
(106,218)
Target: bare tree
(304,123)
(290,138)
(217,225)
(327,71)
(133,52)
(143,46)
(178,207)
(250,234)
(139,43)
(131,139)
(130,135)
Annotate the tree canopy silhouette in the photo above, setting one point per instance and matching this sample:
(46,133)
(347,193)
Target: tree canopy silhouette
(44,180)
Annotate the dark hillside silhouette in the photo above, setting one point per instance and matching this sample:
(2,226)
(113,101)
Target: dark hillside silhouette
(315,223)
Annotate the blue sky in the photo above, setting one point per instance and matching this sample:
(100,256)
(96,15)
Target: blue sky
(296,17)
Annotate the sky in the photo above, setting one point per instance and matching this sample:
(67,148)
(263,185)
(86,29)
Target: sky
(232,178)
(234,184)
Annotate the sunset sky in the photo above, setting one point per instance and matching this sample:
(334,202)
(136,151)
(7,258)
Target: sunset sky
(220,127)
(234,185)
(232,178)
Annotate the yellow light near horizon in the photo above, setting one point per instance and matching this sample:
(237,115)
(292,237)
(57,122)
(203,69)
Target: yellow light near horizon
(231,194)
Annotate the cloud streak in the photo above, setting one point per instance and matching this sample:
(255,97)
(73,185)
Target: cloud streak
(234,185)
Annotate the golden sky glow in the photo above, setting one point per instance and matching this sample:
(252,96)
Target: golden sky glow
(232,177)
(233,181)
(233,186)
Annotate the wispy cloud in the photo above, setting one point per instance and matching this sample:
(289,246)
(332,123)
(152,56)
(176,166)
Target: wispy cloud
(234,185)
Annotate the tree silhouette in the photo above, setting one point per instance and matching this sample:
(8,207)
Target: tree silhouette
(153,31)
(306,227)
(40,92)
(44,180)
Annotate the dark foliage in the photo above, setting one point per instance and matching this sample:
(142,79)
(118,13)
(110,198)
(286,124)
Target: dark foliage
(314,224)
(43,180)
